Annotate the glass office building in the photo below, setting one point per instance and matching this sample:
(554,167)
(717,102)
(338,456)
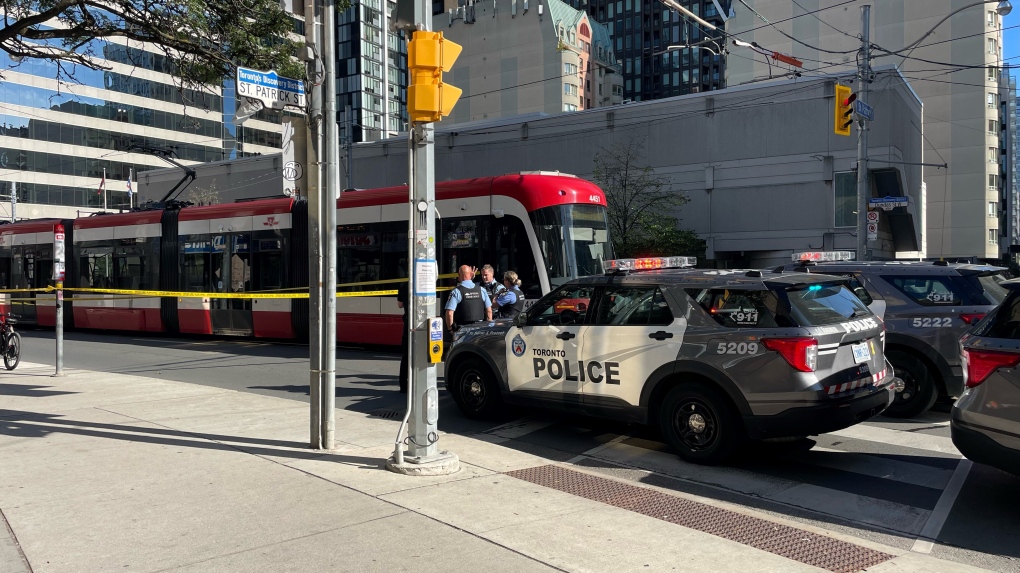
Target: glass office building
(643,33)
(61,130)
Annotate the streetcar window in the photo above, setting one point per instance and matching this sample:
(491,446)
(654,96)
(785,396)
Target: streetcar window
(269,262)
(359,255)
(130,263)
(574,240)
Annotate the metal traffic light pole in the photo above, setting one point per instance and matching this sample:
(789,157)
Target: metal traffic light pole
(322,184)
(423,456)
(864,73)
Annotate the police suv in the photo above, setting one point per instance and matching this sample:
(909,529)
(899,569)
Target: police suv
(926,307)
(713,357)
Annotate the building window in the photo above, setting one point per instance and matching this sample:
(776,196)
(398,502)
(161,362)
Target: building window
(992,20)
(845,186)
(991,72)
(993,154)
(993,100)
(569,107)
(570,89)
(993,236)
(993,182)
(569,69)
(993,126)
(993,209)
(993,46)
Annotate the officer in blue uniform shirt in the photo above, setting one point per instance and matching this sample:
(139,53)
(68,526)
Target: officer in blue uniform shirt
(468,302)
(510,301)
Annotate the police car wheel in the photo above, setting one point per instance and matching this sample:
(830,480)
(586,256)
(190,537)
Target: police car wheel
(700,423)
(475,392)
(919,392)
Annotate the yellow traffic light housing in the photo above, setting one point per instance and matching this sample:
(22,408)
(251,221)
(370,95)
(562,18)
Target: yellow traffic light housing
(428,56)
(844,110)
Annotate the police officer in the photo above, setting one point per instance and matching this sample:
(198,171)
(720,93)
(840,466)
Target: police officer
(493,288)
(510,301)
(468,302)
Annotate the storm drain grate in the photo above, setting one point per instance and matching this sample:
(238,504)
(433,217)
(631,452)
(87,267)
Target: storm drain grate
(790,542)
(387,414)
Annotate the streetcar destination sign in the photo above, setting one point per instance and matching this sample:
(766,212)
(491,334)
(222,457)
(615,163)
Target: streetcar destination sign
(272,90)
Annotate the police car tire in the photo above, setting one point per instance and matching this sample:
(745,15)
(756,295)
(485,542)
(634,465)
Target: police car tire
(485,403)
(925,391)
(714,410)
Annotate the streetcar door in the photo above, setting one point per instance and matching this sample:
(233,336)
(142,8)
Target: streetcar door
(230,263)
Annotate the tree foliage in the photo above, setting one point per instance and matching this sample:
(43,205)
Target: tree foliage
(203,40)
(641,205)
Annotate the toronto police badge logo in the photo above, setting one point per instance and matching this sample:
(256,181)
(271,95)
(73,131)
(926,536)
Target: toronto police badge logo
(518,346)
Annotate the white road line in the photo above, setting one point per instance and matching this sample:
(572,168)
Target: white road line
(879,435)
(930,533)
(597,449)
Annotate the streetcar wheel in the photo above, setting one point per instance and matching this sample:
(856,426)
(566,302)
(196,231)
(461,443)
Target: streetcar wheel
(700,423)
(475,391)
(12,356)
(919,392)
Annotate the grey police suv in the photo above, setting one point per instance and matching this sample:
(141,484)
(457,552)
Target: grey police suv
(985,420)
(926,307)
(711,357)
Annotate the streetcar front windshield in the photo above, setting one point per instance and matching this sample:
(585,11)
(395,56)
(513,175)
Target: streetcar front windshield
(574,240)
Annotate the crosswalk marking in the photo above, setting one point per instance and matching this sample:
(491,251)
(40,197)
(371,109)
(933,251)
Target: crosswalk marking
(925,541)
(899,438)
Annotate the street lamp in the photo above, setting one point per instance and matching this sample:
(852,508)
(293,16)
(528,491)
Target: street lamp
(682,46)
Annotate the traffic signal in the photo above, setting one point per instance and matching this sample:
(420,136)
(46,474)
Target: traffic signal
(844,110)
(428,56)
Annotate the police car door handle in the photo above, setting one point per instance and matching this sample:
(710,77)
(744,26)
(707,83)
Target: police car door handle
(565,335)
(661,335)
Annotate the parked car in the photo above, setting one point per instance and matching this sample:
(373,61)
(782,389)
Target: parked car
(985,420)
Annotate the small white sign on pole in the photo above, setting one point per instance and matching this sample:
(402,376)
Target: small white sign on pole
(872,231)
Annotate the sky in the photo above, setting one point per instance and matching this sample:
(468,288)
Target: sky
(1011,36)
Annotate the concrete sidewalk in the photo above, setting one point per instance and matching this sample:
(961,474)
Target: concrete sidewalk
(102,472)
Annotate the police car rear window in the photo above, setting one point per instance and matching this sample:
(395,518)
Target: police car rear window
(823,304)
(814,305)
(742,308)
(948,290)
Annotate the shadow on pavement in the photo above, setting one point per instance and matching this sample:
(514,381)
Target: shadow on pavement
(26,391)
(34,425)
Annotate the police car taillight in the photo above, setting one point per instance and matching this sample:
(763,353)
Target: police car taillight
(648,264)
(822,256)
(800,352)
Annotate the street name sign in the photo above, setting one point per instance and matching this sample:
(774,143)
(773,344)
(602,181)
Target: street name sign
(864,110)
(887,202)
(273,91)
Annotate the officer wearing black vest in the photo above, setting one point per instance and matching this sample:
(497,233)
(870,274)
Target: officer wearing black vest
(510,301)
(468,302)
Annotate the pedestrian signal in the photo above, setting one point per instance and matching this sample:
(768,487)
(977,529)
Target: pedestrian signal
(428,56)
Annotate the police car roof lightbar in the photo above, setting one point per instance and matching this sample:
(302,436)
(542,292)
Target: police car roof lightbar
(820,256)
(648,264)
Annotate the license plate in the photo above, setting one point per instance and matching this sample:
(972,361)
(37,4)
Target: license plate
(861,353)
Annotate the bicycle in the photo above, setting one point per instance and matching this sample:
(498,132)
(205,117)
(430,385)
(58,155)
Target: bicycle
(10,341)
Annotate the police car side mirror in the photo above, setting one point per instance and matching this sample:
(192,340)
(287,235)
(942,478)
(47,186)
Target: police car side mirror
(521,319)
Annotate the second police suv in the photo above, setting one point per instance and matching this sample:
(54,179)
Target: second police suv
(926,307)
(712,357)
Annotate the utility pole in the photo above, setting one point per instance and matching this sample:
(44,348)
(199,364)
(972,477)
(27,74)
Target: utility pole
(864,79)
(322,331)
(423,456)
(349,144)
(327,224)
